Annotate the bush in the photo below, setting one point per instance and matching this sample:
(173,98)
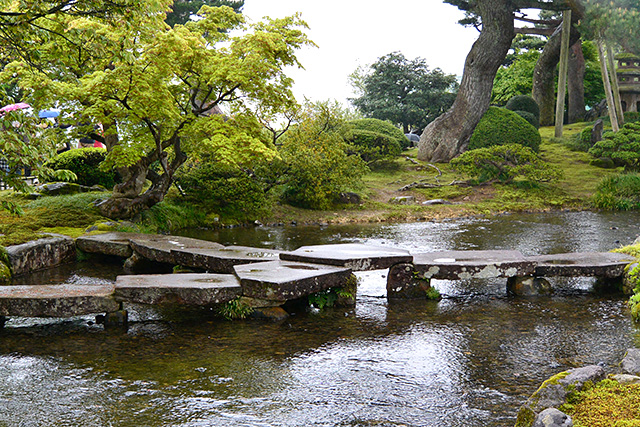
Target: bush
(618,192)
(623,147)
(382,127)
(505,163)
(317,167)
(373,146)
(84,163)
(530,117)
(225,190)
(524,103)
(500,126)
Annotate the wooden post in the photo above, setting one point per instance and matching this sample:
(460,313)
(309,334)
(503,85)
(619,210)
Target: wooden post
(564,67)
(607,88)
(614,85)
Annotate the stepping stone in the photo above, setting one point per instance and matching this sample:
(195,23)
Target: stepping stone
(285,280)
(186,289)
(462,265)
(113,243)
(40,254)
(158,248)
(223,259)
(356,256)
(596,264)
(56,300)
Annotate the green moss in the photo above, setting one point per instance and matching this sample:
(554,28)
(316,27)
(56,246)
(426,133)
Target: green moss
(5,273)
(606,404)
(234,310)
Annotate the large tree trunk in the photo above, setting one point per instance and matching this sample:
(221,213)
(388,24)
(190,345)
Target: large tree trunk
(577,108)
(544,75)
(448,135)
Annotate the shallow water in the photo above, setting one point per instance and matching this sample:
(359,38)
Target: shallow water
(468,360)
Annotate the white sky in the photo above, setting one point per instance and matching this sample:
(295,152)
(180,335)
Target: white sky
(357,32)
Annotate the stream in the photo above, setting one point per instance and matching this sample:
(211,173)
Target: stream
(470,359)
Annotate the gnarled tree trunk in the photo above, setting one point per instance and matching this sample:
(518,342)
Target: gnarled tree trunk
(127,199)
(448,135)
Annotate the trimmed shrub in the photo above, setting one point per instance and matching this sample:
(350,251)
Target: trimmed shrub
(623,147)
(530,117)
(382,127)
(84,163)
(618,192)
(505,163)
(373,146)
(524,103)
(227,191)
(500,126)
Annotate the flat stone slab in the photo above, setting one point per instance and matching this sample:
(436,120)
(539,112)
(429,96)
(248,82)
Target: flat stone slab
(462,265)
(186,289)
(356,256)
(56,300)
(223,259)
(113,243)
(596,264)
(41,254)
(156,247)
(285,280)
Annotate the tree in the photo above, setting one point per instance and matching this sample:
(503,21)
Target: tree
(449,134)
(404,92)
(156,90)
(182,10)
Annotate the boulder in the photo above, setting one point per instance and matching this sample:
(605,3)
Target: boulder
(403,200)
(626,379)
(552,417)
(62,188)
(114,244)
(436,202)
(631,362)
(350,198)
(554,392)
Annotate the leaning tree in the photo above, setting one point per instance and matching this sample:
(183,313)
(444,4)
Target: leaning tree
(448,135)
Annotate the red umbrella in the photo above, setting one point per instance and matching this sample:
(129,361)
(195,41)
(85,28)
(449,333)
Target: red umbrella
(13,107)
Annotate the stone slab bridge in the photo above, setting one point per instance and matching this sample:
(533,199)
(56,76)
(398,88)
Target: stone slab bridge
(264,280)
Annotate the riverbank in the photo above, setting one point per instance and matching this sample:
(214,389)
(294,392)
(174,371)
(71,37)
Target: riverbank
(385,198)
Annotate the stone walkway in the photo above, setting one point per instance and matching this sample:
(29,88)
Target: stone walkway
(266,278)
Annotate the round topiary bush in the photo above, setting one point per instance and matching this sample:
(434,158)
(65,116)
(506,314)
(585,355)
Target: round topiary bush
(382,127)
(530,117)
(373,146)
(500,126)
(84,163)
(524,103)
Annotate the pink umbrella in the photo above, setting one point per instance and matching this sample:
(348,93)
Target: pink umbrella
(13,107)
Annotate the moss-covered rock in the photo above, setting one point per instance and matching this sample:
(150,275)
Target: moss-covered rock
(555,392)
(500,126)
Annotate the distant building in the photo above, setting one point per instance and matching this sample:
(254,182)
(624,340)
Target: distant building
(629,81)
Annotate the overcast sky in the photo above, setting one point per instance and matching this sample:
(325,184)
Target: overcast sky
(357,32)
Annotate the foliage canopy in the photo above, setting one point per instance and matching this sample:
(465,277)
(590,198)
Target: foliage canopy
(403,91)
(158,90)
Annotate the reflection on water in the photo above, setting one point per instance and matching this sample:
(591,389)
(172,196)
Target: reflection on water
(468,360)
